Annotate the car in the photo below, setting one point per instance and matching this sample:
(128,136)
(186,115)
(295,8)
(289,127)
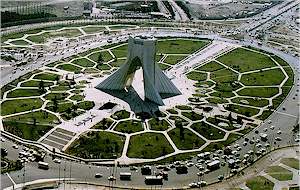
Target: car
(251,142)
(220,177)
(98,175)
(111,178)
(15,146)
(239,148)
(58,161)
(270,121)
(267,145)
(257,140)
(200,174)
(2,139)
(190,164)
(193,185)
(265,130)
(278,132)
(272,127)
(133,168)
(297,140)
(278,139)
(259,145)
(245,143)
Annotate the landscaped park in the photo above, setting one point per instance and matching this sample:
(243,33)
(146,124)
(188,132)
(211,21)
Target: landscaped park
(232,93)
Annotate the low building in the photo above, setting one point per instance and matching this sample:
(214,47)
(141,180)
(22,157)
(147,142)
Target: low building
(213,165)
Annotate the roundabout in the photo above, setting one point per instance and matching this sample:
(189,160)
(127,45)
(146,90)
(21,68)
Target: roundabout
(228,91)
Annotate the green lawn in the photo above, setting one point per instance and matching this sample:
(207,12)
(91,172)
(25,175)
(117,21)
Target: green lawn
(242,110)
(163,66)
(222,94)
(279,173)
(77,97)
(244,60)
(192,115)
(119,27)
(25,130)
(130,126)
(106,56)
(280,61)
(120,51)
(259,183)
(263,78)
(67,33)
(58,96)
(183,107)
(93,29)
(221,144)
(264,92)
(102,66)
(217,100)
(197,76)
(204,84)
(122,114)
(35,83)
(69,67)
(105,123)
(174,59)
(210,67)
(208,131)
(47,76)
(265,114)
(97,144)
(172,111)
(216,121)
(86,105)
(185,139)
(24,93)
(118,62)
(290,73)
(258,102)
(20,42)
(180,46)
(20,105)
(60,88)
(291,162)
(61,108)
(90,70)
(148,145)
(158,125)
(224,75)
(227,86)
(83,62)
(41,118)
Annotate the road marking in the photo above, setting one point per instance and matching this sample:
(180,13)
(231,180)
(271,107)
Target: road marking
(11,179)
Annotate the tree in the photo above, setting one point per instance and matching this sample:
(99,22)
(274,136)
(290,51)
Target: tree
(42,86)
(178,123)
(230,117)
(34,121)
(100,58)
(55,104)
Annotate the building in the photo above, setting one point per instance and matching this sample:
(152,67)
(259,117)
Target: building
(141,54)
(213,165)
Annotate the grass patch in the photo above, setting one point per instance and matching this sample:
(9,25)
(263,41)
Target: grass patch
(185,139)
(20,105)
(61,108)
(279,173)
(122,114)
(217,100)
(58,96)
(289,71)
(25,130)
(34,83)
(97,144)
(183,107)
(148,145)
(69,67)
(259,183)
(224,75)
(120,51)
(105,123)
(164,66)
(102,66)
(210,67)
(221,144)
(83,62)
(247,111)
(47,76)
(172,111)
(208,131)
(20,42)
(180,46)
(258,102)
(244,60)
(86,105)
(264,92)
(37,117)
(216,121)
(174,59)
(130,126)
(117,62)
(197,76)
(265,114)
(102,56)
(263,78)
(192,115)
(24,93)
(222,94)
(291,162)
(158,125)
(204,84)
(93,29)
(77,97)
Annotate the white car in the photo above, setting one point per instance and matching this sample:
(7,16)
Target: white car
(2,139)
(245,143)
(15,146)
(278,132)
(272,127)
(58,161)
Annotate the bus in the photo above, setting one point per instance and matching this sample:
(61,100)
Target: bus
(43,165)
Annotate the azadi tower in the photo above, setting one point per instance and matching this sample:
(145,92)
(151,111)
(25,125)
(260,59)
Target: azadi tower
(141,53)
